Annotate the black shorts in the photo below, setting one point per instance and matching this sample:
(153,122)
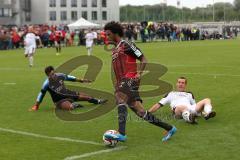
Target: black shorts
(69,95)
(57,42)
(129,87)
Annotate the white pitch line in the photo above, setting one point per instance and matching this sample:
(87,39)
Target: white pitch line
(9,83)
(95,153)
(48,137)
(206,74)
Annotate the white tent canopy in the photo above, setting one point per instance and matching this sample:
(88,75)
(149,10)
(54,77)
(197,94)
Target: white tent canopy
(82,24)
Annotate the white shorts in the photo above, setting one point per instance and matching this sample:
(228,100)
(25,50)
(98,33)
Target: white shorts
(89,44)
(30,50)
(192,108)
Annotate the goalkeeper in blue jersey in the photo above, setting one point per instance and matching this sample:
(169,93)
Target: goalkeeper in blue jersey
(62,97)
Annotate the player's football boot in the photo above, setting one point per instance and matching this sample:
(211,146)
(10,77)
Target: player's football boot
(76,105)
(102,101)
(118,137)
(169,134)
(210,115)
(192,119)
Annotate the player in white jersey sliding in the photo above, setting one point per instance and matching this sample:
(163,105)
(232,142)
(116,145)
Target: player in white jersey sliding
(90,36)
(183,104)
(30,44)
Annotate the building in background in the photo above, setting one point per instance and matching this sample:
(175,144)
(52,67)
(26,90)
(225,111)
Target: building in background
(15,12)
(51,12)
(6,11)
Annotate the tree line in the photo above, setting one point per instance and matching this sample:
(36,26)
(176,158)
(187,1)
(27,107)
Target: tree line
(219,12)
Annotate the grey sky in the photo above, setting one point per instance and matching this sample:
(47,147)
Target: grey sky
(185,3)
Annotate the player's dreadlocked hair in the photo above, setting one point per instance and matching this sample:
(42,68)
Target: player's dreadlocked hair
(115,28)
(48,70)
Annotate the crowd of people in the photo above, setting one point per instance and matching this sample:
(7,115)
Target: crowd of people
(13,37)
(50,36)
(150,31)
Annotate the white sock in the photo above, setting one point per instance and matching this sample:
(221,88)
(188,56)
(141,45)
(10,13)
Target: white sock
(186,115)
(31,60)
(89,51)
(207,108)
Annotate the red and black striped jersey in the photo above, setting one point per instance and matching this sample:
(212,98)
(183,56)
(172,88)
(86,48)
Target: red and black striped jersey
(124,58)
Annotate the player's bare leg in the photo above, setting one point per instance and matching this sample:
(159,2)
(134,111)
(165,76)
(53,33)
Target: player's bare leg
(206,107)
(30,56)
(89,51)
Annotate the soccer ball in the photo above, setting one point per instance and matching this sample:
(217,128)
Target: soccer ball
(109,142)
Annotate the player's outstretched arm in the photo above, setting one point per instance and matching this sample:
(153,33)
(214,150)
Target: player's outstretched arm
(83,80)
(40,97)
(74,79)
(154,108)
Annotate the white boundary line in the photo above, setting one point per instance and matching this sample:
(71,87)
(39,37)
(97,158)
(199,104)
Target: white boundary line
(206,74)
(9,83)
(48,137)
(67,140)
(95,153)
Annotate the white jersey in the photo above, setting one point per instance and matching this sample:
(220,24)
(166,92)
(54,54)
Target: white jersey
(30,40)
(89,39)
(176,98)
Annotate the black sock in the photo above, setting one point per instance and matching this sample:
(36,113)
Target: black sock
(149,117)
(94,101)
(122,118)
(76,105)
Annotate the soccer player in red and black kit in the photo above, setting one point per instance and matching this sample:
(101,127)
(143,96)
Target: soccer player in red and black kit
(124,57)
(57,40)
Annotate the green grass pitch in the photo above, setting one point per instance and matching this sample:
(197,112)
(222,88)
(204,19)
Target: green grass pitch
(212,68)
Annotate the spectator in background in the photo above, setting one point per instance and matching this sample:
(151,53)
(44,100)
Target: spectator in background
(68,39)
(1,39)
(5,40)
(128,33)
(16,39)
(45,38)
(81,37)
(135,33)
(51,39)
(235,31)
(76,39)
